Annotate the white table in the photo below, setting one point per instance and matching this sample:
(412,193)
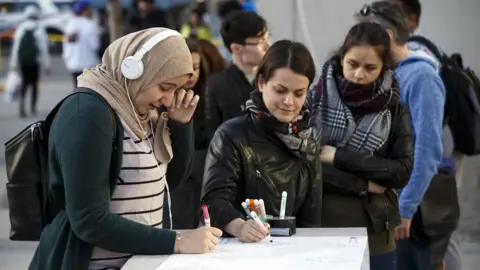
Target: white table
(152,262)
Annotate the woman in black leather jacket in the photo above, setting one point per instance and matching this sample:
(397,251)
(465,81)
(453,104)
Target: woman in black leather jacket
(369,151)
(271,149)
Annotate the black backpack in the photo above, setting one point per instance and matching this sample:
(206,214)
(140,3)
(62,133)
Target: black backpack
(28,49)
(26,155)
(462,106)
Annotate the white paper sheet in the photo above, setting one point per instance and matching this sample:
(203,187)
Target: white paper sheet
(332,253)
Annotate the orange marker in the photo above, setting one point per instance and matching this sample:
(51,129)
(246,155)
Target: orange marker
(252,205)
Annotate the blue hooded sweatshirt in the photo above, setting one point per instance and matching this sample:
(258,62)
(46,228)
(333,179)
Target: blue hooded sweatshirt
(422,89)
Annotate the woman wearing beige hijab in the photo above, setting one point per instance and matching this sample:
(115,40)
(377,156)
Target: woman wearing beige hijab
(113,193)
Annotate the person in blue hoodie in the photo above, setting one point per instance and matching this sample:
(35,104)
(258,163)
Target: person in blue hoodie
(249,5)
(454,160)
(422,89)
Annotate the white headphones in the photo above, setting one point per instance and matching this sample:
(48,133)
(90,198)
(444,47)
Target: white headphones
(132,66)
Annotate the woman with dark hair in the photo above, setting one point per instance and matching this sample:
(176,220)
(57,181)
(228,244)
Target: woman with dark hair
(271,149)
(186,199)
(214,61)
(369,151)
(207,60)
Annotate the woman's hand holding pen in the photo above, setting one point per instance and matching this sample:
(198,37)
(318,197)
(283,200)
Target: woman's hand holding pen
(250,231)
(198,241)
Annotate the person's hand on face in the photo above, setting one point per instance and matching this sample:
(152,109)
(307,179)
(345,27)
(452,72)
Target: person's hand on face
(183,106)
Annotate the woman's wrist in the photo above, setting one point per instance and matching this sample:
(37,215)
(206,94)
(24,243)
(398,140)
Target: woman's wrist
(178,239)
(234,226)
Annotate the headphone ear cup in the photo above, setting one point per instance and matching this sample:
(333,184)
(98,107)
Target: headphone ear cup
(132,67)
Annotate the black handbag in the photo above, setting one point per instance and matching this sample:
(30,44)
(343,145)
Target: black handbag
(26,156)
(439,211)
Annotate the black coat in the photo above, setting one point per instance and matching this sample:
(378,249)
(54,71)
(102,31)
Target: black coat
(246,160)
(346,200)
(225,97)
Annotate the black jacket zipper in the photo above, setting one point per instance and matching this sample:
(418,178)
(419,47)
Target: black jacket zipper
(387,222)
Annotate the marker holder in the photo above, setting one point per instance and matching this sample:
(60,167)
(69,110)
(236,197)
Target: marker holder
(282,227)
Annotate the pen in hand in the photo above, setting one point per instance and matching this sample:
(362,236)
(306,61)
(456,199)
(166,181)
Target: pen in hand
(257,219)
(206,215)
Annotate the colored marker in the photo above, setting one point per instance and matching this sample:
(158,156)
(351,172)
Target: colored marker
(257,219)
(262,208)
(247,201)
(206,215)
(283,205)
(252,205)
(257,208)
(245,207)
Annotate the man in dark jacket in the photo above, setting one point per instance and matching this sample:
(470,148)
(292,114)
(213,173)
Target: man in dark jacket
(246,36)
(148,16)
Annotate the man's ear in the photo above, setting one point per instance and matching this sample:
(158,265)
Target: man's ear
(235,48)
(391,35)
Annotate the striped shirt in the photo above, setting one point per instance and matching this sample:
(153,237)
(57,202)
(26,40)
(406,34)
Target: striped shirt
(138,196)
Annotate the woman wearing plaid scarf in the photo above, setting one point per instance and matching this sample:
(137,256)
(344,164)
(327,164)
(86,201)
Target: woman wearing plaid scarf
(368,151)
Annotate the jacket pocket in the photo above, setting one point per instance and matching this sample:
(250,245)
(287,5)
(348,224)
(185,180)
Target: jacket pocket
(382,211)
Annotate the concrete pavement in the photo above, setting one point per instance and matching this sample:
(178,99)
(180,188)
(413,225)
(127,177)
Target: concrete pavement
(17,255)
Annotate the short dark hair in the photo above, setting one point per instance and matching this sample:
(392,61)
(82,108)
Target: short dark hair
(367,33)
(412,7)
(240,25)
(193,45)
(286,54)
(390,15)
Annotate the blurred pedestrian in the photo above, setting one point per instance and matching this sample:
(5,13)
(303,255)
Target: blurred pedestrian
(81,41)
(196,27)
(29,55)
(148,16)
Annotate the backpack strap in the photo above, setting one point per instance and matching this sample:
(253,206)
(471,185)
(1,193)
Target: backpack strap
(457,59)
(53,112)
(53,207)
(427,43)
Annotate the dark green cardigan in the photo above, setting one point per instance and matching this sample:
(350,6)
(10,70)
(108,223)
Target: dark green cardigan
(83,173)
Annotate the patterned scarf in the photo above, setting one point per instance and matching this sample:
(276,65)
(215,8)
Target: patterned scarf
(365,130)
(299,135)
